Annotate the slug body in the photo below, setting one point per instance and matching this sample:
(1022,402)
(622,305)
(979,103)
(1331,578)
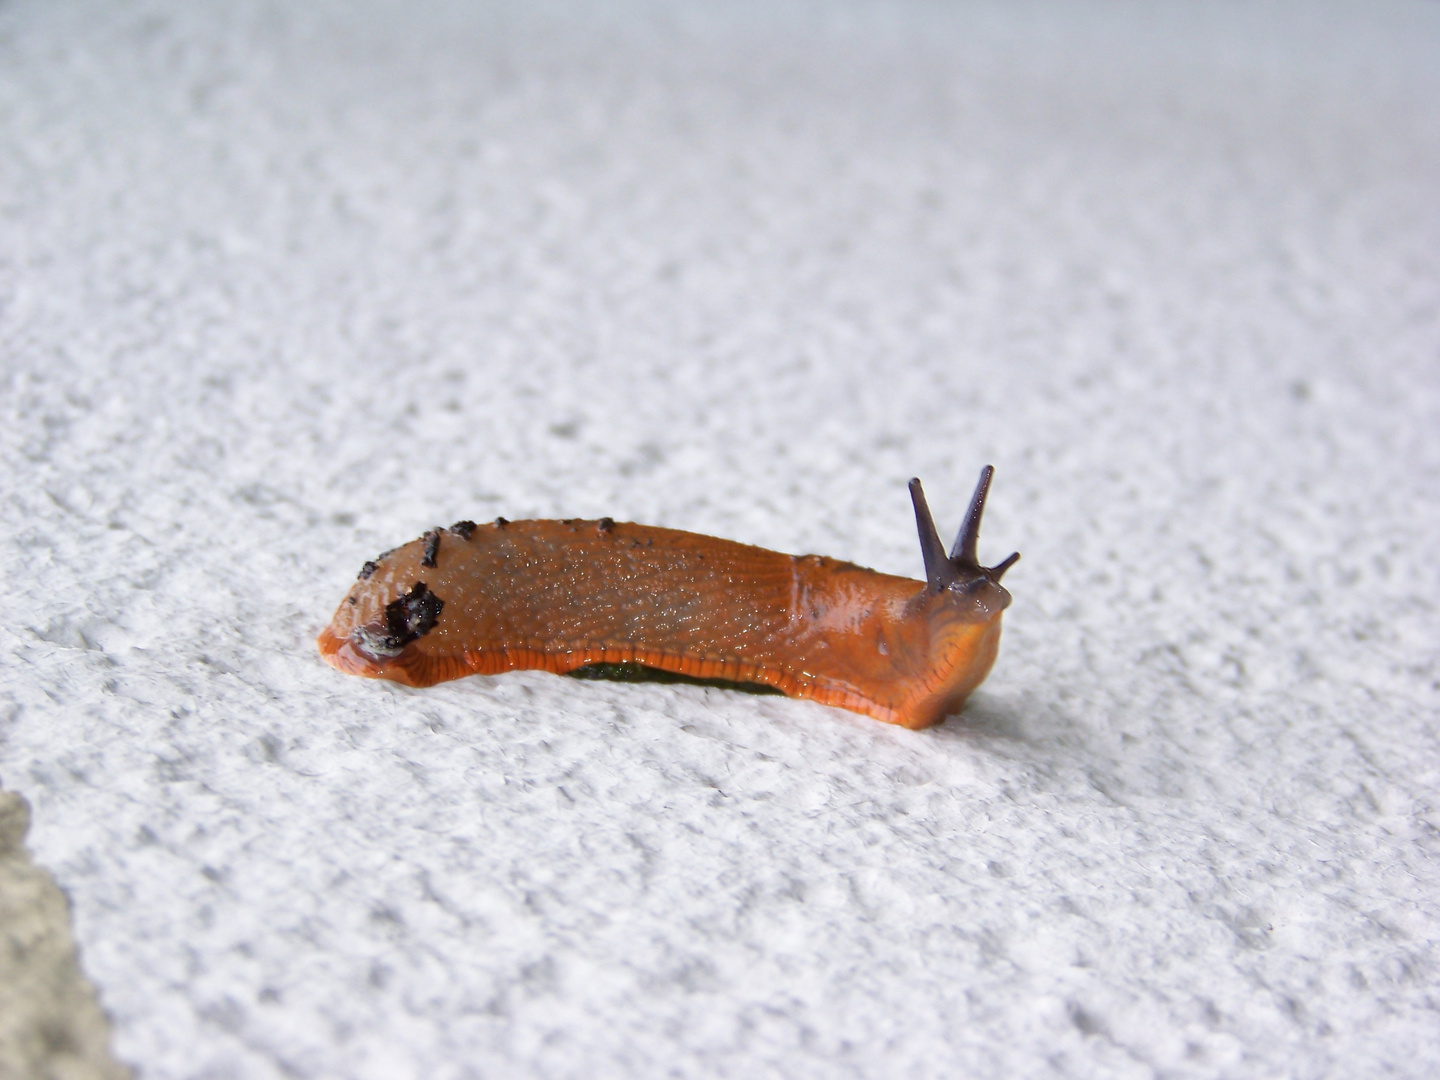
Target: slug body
(560,595)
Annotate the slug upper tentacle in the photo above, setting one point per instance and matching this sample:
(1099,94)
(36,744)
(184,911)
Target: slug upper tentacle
(961,569)
(561,595)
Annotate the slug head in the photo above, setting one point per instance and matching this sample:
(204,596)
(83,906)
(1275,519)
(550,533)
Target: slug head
(959,609)
(959,574)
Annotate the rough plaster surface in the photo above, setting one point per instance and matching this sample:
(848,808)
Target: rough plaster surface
(50,1025)
(283,285)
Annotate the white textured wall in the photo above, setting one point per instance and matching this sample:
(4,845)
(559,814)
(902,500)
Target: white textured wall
(283,285)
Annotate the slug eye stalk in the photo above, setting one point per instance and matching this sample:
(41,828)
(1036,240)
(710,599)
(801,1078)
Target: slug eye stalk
(961,569)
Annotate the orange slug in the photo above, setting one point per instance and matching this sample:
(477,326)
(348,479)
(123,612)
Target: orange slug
(561,595)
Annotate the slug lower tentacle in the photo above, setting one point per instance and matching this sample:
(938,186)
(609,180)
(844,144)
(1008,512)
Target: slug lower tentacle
(561,595)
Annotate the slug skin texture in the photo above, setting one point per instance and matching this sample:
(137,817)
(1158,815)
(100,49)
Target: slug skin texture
(561,595)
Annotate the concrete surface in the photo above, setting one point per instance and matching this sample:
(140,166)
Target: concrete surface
(51,1027)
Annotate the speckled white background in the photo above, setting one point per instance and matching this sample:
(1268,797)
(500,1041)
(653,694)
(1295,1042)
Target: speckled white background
(284,285)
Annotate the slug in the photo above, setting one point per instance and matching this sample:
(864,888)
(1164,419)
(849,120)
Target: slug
(561,595)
